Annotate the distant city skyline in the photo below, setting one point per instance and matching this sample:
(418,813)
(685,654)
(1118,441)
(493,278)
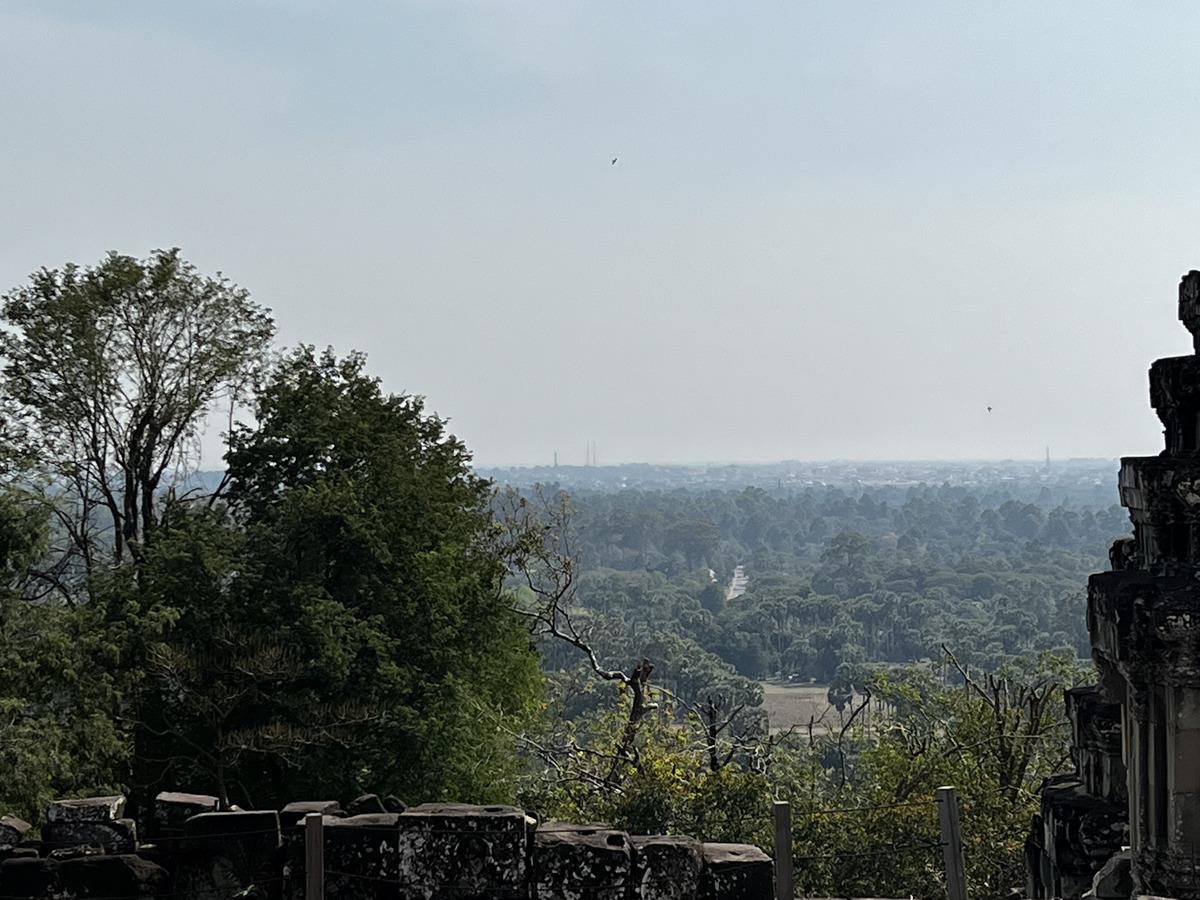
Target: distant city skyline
(684,231)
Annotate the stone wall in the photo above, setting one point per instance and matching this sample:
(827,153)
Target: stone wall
(373,850)
(1082,822)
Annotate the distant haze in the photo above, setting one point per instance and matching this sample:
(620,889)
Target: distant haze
(831,231)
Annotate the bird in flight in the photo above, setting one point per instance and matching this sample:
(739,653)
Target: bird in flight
(989,409)
(614,162)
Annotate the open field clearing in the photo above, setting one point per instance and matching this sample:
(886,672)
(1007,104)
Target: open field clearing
(796,705)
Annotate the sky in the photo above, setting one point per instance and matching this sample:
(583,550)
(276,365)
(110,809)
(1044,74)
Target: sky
(832,230)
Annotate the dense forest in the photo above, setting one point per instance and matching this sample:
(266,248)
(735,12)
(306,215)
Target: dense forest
(883,576)
(935,618)
(349,606)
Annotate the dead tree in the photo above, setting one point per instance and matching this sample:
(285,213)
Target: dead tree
(536,535)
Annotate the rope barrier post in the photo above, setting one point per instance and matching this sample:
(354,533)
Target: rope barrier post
(314,856)
(784,876)
(952,851)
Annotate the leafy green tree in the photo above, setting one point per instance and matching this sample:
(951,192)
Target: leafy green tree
(667,784)
(365,568)
(844,564)
(108,375)
(993,736)
(60,728)
(696,539)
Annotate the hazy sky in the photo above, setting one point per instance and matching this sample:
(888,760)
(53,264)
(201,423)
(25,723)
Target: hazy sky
(833,230)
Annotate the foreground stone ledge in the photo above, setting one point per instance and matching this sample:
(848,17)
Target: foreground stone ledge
(360,855)
(87,809)
(463,851)
(367,804)
(119,836)
(224,853)
(125,876)
(666,867)
(29,877)
(291,814)
(580,862)
(736,872)
(12,831)
(172,809)
(362,860)
(435,851)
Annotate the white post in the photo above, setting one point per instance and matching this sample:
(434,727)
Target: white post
(314,856)
(784,878)
(956,876)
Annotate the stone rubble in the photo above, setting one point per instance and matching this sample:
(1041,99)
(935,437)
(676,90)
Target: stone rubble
(435,851)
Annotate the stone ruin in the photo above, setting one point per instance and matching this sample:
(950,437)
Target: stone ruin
(1081,825)
(1144,621)
(373,850)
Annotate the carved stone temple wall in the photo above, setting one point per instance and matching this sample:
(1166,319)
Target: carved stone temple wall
(1081,824)
(1144,620)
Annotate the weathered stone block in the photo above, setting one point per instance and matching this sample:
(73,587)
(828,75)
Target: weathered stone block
(461,851)
(111,877)
(1038,873)
(736,872)
(293,854)
(666,867)
(1114,881)
(361,857)
(224,853)
(366,805)
(1081,832)
(574,862)
(118,836)
(172,809)
(1189,304)
(29,877)
(12,831)
(294,812)
(87,809)
(123,877)
(1096,741)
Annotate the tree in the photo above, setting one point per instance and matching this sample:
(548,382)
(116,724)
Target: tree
(696,539)
(669,786)
(109,373)
(537,545)
(58,735)
(994,737)
(385,657)
(844,564)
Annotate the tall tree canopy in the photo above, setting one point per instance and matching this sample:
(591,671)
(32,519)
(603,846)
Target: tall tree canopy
(109,372)
(364,575)
(54,733)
